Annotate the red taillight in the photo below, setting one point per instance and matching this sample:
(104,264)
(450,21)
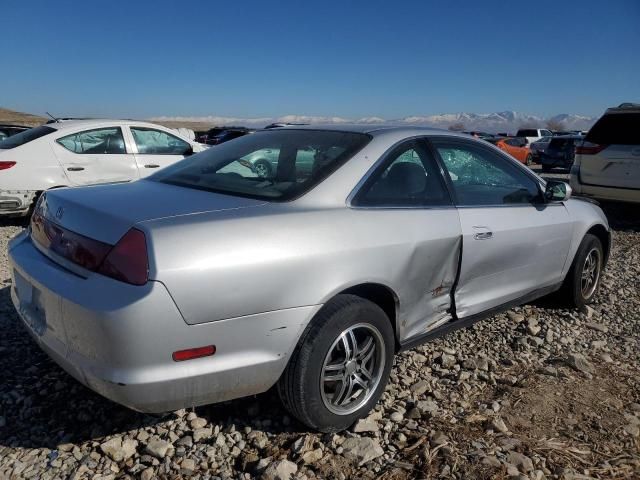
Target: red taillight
(588,148)
(128,260)
(5,165)
(81,250)
(192,353)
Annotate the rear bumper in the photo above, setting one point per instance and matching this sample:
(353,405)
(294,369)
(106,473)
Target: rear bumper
(118,339)
(601,192)
(554,161)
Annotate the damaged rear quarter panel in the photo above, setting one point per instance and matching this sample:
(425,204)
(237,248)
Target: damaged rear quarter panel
(282,256)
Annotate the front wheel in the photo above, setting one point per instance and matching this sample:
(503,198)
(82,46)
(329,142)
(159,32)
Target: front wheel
(583,278)
(340,366)
(529,160)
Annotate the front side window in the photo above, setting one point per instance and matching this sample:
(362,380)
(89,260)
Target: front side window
(482,177)
(409,177)
(98,141)
(156,142)
(270,164)
(26,137)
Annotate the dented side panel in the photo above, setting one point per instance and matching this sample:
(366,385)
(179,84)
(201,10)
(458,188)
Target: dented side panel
(272,261)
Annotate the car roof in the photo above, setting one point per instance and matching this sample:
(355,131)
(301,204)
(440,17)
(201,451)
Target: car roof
(624,108)
(97,122)
(377,129)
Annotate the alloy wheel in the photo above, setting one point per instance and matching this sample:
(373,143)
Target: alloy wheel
(590,273)
(352,369)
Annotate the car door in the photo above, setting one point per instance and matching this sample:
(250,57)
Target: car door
(95,156)
(406,205)
(156,148)
(513,243)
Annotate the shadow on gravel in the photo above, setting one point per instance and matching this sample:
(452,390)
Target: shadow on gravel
(14,222)
(43,406)
(622,216)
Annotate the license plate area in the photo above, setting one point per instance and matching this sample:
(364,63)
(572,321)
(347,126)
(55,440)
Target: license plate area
(30,304)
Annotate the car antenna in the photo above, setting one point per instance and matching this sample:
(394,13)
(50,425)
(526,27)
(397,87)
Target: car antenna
(57,120)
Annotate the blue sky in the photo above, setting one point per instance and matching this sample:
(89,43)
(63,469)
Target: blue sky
(345,58)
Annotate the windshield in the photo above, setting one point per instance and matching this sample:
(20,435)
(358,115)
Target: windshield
(25,137)
(272,164)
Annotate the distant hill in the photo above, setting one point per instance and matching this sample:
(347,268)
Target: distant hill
(20,118)
(506,121)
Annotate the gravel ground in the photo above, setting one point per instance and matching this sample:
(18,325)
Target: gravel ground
(538,392)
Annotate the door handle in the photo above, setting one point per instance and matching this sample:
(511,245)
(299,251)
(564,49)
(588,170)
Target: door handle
(151,165)
(75,169)
(483,235)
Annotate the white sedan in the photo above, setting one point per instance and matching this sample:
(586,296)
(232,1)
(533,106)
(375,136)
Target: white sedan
(70,153)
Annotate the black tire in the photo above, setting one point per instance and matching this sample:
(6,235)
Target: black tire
(300,387)
(529,160)
(263,168)
(546,169)
(573,291)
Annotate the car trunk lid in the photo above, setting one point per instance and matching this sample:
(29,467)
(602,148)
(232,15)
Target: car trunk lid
(106,212)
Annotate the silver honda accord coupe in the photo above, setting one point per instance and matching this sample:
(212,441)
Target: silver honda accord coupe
(213,280)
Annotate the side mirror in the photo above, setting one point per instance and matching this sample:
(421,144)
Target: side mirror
(188,151)
(556,191)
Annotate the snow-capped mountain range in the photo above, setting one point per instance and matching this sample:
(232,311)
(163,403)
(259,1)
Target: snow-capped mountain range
(507,121)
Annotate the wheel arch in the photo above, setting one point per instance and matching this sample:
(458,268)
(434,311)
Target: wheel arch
(381,295)
(602,234)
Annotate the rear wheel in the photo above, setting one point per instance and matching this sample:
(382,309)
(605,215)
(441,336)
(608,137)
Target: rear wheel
(341,365)
(583,279)
(529,160)
(263,168)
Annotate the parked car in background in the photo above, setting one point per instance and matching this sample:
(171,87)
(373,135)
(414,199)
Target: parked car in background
(216,136)
(232,284)
(208,136)
(82,152)
(607,163)
(560,152)
(283,124)
(9,130)
(539,146)
(516,147)
(533,134)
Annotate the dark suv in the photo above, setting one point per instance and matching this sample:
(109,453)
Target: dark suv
(560,152)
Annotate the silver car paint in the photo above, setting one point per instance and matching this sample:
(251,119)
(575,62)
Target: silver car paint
(248,276)
(117,339)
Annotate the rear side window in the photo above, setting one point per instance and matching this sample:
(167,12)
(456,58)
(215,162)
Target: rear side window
(95,142)
(409,178)
(616,129)
(156,142)
(516,142)
(26,137)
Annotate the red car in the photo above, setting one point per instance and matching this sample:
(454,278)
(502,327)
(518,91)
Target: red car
(518,148)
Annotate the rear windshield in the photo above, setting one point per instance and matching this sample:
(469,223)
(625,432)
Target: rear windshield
(616,129)
(527,133)
(561,142)
(25,137)
(271,164)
